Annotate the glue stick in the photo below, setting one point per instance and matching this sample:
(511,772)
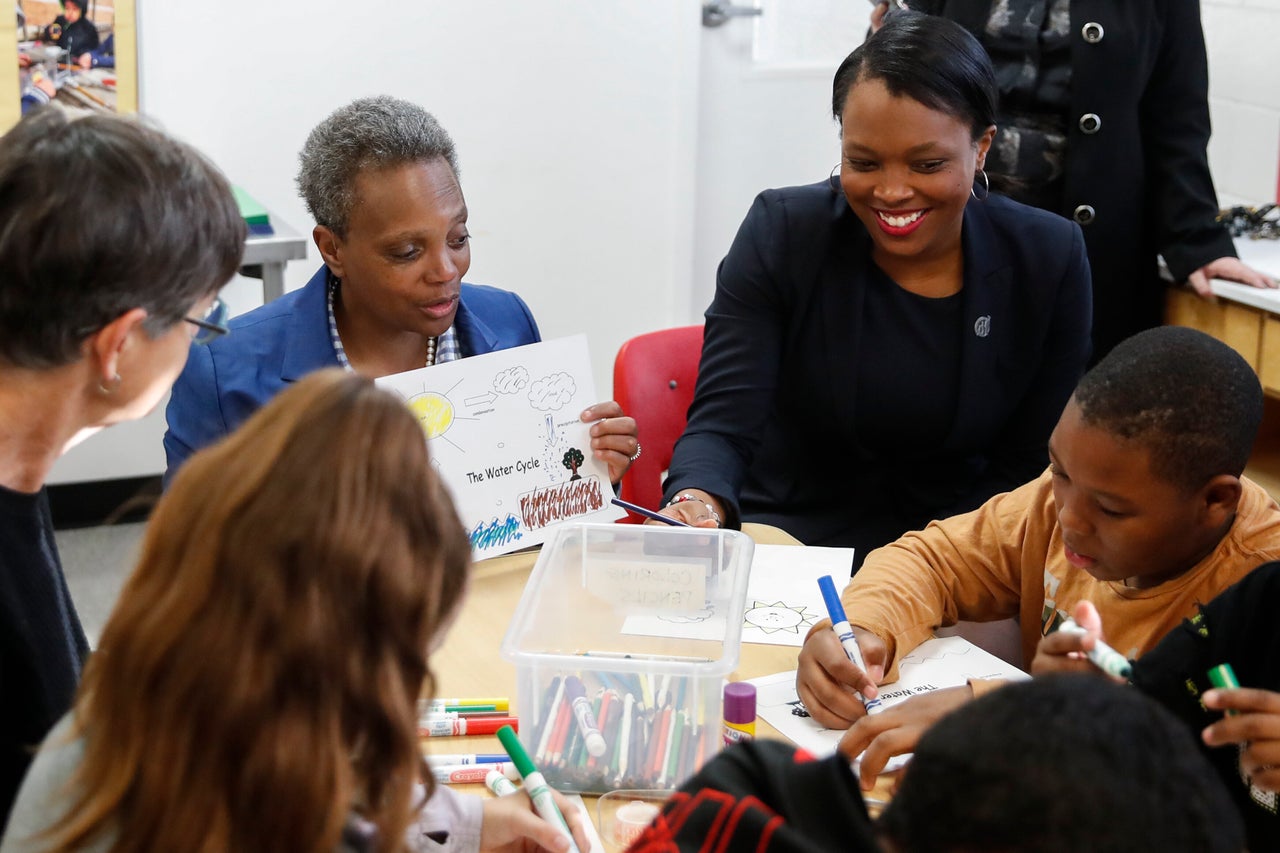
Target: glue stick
(739,712)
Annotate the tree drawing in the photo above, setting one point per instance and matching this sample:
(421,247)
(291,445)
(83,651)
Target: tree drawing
(572,459)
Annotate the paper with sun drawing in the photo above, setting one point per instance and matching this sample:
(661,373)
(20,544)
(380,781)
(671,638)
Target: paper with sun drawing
(504,434)
(783,599)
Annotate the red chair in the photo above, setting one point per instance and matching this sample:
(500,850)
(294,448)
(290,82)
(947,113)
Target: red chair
(653,379)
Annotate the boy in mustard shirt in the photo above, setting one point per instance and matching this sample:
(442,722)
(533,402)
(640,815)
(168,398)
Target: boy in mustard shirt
(1143,511)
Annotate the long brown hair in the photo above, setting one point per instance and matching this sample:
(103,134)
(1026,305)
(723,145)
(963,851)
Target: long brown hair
(258,679)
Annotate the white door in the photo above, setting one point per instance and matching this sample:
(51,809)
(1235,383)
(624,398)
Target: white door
(764,112)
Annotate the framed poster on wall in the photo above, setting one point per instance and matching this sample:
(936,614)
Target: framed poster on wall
(82,53)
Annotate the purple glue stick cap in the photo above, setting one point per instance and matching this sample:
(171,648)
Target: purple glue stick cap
(739,702)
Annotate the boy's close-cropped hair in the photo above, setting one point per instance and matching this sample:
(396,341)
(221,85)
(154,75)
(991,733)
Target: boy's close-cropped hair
(1056,765)
(1190,400)
(101,214)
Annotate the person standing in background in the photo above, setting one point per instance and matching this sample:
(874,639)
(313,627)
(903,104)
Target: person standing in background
(1104,118)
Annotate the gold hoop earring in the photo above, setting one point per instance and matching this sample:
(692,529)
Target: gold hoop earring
(986,186)
(115,383)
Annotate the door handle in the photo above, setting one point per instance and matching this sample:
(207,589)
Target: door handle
(716,13)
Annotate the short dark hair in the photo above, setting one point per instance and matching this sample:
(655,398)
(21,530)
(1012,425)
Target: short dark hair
(368,133)
(1061,763)
(1192,401)
(101,214)
(928,59)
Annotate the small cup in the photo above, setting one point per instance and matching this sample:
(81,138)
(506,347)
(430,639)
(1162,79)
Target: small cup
(623,815)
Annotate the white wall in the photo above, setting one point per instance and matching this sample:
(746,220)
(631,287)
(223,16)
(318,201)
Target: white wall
(1244,98)
(576,195)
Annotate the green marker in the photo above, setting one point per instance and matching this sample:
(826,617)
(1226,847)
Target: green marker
(534,785)
(1223,677)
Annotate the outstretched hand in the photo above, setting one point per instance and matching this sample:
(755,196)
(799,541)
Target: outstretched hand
(1231,269)
(897,730)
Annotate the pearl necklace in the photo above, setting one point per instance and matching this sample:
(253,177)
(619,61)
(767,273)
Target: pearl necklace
(431,351)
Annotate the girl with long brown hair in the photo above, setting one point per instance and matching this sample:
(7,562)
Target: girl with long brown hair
(255,688)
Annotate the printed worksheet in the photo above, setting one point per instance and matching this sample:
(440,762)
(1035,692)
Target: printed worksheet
(933,665)
(504,434)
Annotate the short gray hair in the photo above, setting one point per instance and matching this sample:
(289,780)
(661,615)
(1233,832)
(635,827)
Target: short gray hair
(367,133)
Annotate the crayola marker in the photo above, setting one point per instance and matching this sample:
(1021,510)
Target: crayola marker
(544,803)
(840,624)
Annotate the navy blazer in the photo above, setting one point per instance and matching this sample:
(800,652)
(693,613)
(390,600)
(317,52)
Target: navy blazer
(228,380)
(773,424)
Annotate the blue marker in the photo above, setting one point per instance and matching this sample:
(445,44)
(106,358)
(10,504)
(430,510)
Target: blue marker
(648,513)
(840,624)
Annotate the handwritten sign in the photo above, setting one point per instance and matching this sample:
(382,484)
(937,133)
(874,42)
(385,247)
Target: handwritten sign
(504,435)
(666,585)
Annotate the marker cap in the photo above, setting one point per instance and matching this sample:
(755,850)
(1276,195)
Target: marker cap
(511,743)
(835,608)
(739,702)
(1223,676)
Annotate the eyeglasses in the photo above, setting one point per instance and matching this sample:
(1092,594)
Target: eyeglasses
(212,325)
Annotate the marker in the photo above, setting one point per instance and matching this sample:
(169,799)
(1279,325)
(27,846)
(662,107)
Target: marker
(1101,655)
(840,624)
(463,774)
(498,703)
(467,758)
(498,783)
(1223,677)
(549,721)
(648,513)
(577,694)
(464,726)
(535,785)
(458,715)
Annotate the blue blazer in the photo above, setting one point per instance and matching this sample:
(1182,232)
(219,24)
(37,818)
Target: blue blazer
(228,380)
(773,427)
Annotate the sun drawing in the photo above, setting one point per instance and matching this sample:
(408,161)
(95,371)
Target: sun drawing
(433,411)
(777,616)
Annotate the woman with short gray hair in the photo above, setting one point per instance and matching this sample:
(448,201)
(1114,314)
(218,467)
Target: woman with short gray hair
(380,177)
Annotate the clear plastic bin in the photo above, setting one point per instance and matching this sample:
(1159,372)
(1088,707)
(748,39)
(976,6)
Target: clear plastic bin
(594,611)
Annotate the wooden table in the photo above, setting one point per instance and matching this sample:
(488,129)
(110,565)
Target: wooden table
(469,663)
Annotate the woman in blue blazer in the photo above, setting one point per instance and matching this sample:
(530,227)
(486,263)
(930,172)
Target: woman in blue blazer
(894,345)
(380,177)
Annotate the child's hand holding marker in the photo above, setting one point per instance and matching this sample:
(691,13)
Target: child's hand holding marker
(1077,646)
(1252,720)
(839,666)
(508,823)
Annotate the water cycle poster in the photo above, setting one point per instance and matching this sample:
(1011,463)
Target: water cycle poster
(504,435)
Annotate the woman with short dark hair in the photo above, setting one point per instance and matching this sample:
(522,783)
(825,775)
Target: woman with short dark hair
(894,344)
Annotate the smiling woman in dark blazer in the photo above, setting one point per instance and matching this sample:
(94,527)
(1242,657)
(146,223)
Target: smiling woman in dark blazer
(894,345)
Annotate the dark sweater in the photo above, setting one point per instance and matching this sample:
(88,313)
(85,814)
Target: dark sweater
(42,645)
(1239,627)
